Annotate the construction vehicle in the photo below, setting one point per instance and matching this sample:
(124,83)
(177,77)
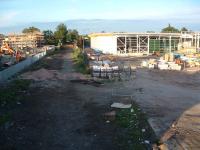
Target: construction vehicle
(8,56)
(5,49)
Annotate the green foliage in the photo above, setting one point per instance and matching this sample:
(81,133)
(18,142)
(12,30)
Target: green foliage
(49,37)
(183,29)
(12,93)
(81,61)
(170,29)
(61,33)
(72,36)
(132,121)
(30,30)
(4,118)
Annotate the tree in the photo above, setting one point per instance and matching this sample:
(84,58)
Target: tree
(72,36)
(170,29)
(49,37)
(30,30)
(61,33)
(183,29)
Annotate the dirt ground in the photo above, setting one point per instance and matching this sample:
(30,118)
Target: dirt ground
(171,100)
(58,114)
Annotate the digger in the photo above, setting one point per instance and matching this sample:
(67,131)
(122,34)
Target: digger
(8,56)
(5,49)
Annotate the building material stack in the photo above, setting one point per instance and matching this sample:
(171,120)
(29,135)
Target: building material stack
(104,69)
(173,61)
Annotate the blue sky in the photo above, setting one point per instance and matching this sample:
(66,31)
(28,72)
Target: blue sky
(15,12)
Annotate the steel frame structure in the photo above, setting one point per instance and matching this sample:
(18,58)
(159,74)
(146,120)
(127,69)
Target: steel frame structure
(145,43)
(140,43)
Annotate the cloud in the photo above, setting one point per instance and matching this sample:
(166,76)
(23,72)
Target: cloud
(7,19)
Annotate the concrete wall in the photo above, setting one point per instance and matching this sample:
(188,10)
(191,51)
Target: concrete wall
(11,71)
(106,44)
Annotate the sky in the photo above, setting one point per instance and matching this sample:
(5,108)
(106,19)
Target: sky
(19,12)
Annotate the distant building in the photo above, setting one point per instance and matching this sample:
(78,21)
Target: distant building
(32,40)
(143,43)
(1,39)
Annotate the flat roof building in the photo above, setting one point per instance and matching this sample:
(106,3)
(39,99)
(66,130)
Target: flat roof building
(143,43)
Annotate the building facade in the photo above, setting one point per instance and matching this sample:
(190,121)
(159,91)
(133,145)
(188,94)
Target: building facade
(32,40)
(143,43)
(1,39)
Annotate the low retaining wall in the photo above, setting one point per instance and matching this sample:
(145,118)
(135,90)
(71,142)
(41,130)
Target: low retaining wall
(12,70)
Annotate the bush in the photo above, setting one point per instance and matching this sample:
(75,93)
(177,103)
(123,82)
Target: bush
(81,61)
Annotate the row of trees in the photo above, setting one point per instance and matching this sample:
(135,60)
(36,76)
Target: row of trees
(30,30)
(63,35)
(60,36)
(171,29)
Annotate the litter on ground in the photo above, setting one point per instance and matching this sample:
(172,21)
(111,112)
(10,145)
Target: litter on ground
(120,105)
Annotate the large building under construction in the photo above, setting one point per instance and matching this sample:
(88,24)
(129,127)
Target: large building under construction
(144,43)
(32,40)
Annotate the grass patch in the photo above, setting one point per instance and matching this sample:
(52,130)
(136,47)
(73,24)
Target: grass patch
(13,92)
(10,96)
(4,118)
(135,129)
(81,61)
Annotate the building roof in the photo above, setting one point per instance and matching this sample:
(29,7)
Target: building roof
(24,34)
(138,33)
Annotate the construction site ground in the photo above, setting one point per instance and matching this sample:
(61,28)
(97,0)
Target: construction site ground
(55,113)
(171,101)
(59,114)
